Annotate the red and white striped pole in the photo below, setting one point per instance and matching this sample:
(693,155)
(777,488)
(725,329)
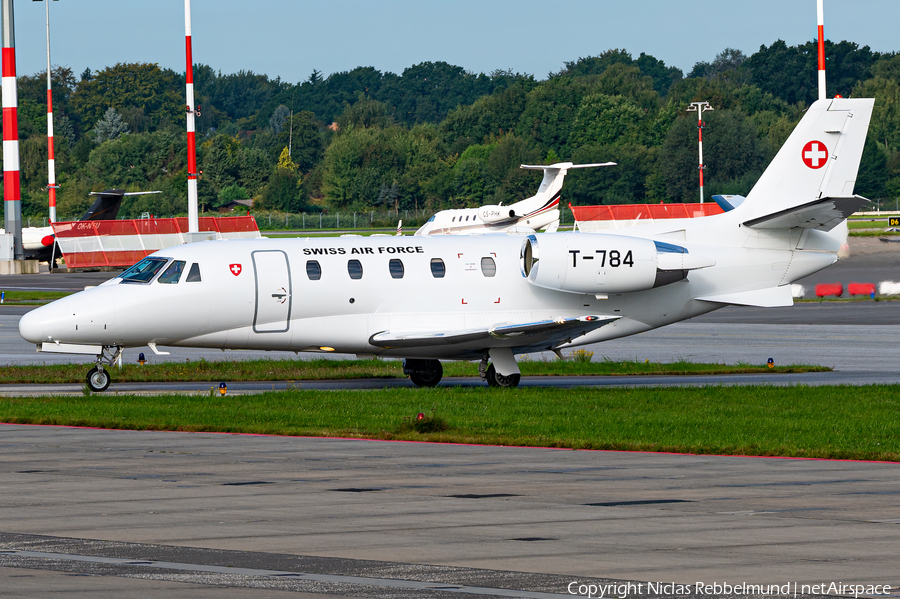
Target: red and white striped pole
(820,13)
(193,215)
(12,199)
(699,107)
(51,162)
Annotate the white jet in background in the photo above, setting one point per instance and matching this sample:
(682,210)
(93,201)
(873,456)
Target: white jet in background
(483,297)
(540,211)
(39,243)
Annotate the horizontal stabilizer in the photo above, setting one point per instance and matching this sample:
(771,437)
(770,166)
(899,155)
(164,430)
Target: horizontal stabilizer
(772,297)
(728,202)
(564,166)
(824,214)
(528,333)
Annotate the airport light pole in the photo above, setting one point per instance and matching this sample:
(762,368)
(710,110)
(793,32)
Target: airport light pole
(51,162)
(12,198)
(820,13)
(193,215)
(699,107)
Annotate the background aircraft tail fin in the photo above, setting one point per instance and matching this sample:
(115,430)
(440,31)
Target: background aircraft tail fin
(548,193)
(108,202)
(819,160)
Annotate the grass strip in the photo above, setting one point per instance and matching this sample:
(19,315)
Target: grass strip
(19,297)
(873,233)
(292,370)
(846,422)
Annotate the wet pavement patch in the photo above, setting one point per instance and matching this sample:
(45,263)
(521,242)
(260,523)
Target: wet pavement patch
(639,502)
(482,495)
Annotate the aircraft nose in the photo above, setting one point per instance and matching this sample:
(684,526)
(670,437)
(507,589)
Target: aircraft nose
(31,326)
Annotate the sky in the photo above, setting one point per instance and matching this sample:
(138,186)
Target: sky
(290,38)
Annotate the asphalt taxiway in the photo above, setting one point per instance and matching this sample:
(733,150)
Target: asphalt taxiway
(98,513)
(358,518)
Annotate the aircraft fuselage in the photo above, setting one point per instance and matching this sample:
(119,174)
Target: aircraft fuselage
(334,294)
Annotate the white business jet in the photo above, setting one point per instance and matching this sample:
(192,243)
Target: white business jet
(486,297)
(540,211)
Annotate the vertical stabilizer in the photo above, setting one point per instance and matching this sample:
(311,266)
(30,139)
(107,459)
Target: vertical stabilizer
(820,159)
(548,193)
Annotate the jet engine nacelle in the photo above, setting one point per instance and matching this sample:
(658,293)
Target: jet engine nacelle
(495,214)
(603,264)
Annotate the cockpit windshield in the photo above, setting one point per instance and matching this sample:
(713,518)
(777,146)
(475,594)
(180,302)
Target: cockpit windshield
(173,273)
(143,271)
(432,218)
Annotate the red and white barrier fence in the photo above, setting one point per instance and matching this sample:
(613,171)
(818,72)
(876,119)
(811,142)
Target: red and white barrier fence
(837,289)
(120,243)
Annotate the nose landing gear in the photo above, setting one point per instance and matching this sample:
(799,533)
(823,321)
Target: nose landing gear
(98,378)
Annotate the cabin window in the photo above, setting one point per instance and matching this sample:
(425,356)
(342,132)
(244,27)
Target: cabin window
(354,267)
(193,274)
(488,266)
(173,273)
(313,270)
(143,271)
(467,218)
(437,268)
(453,220)
(396,268)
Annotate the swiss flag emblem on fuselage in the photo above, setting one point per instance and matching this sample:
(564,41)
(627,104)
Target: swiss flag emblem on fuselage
(235,269)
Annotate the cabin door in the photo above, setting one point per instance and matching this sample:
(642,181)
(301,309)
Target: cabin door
(273,291)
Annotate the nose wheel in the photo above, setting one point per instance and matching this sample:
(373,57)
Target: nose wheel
(97,379)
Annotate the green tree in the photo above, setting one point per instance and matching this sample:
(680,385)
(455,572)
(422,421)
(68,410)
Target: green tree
(604,120)
(305,135)
(111,126)
(159,92)
(790,72)
(278,118)
(549,114)
(634,179)
(487,117)
(138,159)
(365,112)
(285,163)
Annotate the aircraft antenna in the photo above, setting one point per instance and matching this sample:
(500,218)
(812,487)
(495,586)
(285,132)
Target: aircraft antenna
(820,13)
(699,107)
(193,216)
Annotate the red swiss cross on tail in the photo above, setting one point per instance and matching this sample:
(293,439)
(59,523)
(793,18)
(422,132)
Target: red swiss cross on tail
(814,154)
(235,269)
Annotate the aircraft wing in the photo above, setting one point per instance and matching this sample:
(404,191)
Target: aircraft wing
(824,214)
(542,334)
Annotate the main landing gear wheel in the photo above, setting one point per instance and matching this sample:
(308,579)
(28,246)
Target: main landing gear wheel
(424,373)
(494,379)
(97,379)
